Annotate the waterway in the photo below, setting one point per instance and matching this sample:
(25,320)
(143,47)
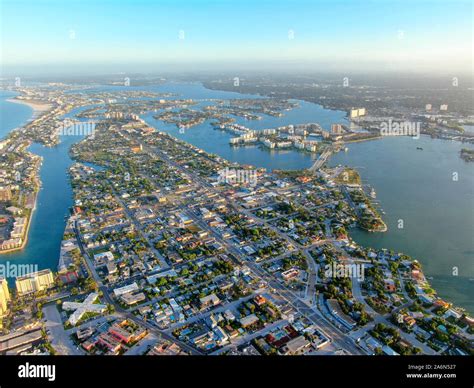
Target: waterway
(412,185)
(54,198)
(418,191)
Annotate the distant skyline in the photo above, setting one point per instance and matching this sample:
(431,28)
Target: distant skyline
(112,36)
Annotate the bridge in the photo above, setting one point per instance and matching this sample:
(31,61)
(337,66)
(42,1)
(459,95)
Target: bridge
(321,160)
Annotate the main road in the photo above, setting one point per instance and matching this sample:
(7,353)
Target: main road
(307,310)
(124,313)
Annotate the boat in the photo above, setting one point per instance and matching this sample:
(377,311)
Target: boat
(419,148)
(373,194)
(346,149)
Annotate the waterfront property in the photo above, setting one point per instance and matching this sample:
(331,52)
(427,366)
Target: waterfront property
(214,253)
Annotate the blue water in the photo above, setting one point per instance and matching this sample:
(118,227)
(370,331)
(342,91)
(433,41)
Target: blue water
(469,128)
(53,202)
(179,89)
(200,135)
(412,185)
(417,186)
(12,114)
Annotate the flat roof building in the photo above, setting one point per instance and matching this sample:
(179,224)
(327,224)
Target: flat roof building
(126,289)
(249,320)
(88,306)
(34,282)
(297,345)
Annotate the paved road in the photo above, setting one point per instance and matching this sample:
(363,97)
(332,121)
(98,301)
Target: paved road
(151,327)
(326,327)
(120,311)
(357,294)
(383,319)
(321,160)
(216,310)
(294,300)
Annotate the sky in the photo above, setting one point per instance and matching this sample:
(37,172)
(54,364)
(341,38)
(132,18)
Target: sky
(422,35)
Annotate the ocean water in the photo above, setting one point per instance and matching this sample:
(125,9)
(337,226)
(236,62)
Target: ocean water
(12,114)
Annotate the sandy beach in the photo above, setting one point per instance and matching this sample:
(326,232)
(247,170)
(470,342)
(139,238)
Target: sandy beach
(37,106)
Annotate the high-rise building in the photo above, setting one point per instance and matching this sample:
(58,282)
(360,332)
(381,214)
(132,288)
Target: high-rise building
(357,112)
(443,107)
(337,129)
(34,282)
(4,297)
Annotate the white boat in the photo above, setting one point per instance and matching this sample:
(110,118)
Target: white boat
(373,194)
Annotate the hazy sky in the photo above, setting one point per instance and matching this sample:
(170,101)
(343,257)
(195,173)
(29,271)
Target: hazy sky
(358,35)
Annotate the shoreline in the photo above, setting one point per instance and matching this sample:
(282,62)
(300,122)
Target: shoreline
(37,107)
(165,132)
(24,243)
(454,304)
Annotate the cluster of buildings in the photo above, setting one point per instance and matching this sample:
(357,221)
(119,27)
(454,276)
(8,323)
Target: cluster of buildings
(113,339)
(237,321)
(395,285)
(223,266)
(290,136)
(24,333)
(28,340)
(296,338)
(18,187)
